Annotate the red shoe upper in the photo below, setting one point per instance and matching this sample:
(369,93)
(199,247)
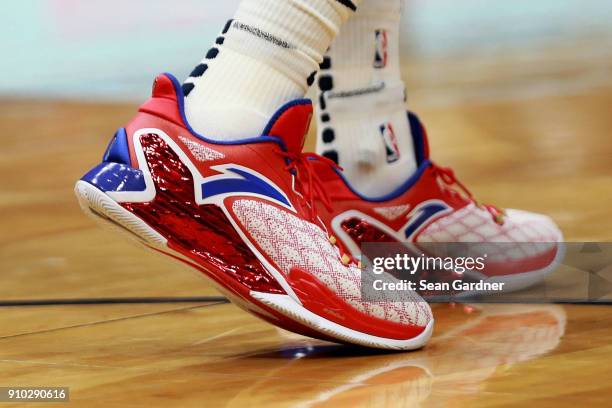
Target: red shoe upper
(433,206)
(245,212)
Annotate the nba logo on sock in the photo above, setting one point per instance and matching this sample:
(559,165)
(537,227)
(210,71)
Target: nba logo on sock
(381,54)
(390,140)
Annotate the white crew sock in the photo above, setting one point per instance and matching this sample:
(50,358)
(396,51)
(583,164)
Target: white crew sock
(266,56)
(362,121)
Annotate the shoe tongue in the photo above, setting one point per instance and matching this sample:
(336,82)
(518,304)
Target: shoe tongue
(419,136)
(291,124)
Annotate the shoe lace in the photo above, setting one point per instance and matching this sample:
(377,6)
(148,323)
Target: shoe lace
(302,167)
(447,175)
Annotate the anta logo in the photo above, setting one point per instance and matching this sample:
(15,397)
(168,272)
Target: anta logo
(421,215)
(381,54)
(416,220)
(238,180)
(231,180)
(390,141)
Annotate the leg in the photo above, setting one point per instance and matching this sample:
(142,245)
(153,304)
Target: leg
(266,56)
(364,127)
(362,115)
(245,213)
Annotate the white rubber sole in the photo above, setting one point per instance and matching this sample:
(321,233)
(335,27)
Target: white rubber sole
(290,308)
(105,210)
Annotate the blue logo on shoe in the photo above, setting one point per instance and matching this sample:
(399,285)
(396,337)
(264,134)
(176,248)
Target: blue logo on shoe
(238,180)
(421,214)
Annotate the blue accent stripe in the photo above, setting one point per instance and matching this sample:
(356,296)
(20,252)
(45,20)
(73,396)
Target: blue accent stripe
(283,109)
(394,194)
(418,137)
(118,150)
(259,139)
(249,183)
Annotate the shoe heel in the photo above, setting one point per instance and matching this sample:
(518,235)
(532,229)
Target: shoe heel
(103,209)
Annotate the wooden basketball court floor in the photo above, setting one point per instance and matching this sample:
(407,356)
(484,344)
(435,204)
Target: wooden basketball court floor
(532,132)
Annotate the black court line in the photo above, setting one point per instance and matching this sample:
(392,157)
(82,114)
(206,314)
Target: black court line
(585,302)
(221,299)
(111,301)
(76,326)
(480,301)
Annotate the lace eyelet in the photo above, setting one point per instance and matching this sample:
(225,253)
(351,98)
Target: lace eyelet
(346,260)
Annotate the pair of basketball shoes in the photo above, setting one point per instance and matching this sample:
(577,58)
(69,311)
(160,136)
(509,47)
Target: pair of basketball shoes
(278,231)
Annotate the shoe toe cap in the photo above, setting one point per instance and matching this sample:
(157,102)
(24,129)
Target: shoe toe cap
(536,227)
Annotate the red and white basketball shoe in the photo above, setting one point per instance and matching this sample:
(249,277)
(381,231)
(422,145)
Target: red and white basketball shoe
(434,207)
(238,212)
